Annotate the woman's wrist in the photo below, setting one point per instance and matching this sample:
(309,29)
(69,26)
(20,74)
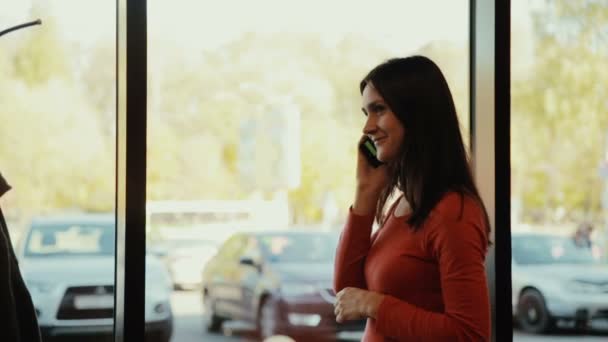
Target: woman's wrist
(372,304)
(363,209)
(365,202)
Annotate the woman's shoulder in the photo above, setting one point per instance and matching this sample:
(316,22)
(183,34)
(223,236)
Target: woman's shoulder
(456,217)
(456,206)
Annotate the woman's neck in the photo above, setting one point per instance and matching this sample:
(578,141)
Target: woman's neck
(403,207)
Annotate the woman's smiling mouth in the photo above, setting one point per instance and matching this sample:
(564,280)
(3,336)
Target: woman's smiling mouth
(378,140)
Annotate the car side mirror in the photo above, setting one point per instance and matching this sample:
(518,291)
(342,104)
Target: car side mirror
(250,262)
(247,261)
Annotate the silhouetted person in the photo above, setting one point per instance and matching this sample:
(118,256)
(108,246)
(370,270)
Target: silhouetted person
(17,314)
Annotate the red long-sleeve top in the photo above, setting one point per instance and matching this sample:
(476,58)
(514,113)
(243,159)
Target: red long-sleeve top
(433,279)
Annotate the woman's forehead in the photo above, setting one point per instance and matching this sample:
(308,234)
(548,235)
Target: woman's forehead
(370,94)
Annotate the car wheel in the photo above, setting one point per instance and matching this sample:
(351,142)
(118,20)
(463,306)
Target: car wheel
(211,321)
(532,313)
(267,317)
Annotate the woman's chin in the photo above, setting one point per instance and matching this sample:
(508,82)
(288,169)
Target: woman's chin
(383,157)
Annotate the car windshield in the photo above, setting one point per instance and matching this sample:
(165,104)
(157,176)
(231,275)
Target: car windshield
(538,249)
(300,248)
(66,239)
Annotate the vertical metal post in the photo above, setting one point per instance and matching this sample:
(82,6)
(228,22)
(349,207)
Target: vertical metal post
(490,141)
(131,74)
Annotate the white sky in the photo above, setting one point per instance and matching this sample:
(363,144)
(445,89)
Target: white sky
(207,24)
(412,22)
(203,24)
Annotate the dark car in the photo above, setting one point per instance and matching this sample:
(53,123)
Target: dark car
(280,281)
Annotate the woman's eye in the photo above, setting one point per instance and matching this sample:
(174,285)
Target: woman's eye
(379,109)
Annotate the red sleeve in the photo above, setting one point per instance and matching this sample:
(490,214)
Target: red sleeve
(353,247)
(460,249)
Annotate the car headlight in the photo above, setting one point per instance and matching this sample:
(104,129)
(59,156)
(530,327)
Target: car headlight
(161,308)
(309,320)
(292,289)
(583,287)
(41,286)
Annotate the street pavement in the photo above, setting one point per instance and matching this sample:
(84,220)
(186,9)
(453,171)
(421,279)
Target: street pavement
(188,326)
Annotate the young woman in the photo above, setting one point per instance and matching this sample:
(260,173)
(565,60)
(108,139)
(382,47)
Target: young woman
(421,275)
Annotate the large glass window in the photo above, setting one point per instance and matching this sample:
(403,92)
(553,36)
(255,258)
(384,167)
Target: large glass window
(559,127)
(254,115)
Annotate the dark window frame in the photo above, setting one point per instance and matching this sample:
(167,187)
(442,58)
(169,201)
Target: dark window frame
(131,139)
(490,124)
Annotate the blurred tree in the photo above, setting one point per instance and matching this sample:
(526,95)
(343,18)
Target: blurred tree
(98,77)
(42,55)
(52,149)
(207,100)
(559,112)
(196,106)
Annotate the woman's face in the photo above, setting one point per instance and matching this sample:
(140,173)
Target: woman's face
(382,125)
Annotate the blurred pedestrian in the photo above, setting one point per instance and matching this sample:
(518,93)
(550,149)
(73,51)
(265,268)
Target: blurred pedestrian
(582,235)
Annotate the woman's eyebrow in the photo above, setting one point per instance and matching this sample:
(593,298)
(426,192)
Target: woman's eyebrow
(372,104)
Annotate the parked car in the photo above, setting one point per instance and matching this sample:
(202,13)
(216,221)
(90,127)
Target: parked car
(280,281)
(556,282)
(68,265)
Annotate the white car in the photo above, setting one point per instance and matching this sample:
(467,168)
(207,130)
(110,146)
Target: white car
(68,265)
(557,284)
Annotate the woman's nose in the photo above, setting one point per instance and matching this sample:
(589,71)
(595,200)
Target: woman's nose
(370,126)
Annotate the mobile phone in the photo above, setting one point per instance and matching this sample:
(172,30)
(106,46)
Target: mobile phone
(368,149)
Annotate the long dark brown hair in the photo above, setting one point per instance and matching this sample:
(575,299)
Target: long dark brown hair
(432,160)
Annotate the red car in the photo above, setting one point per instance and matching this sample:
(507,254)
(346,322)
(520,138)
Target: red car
(280,281)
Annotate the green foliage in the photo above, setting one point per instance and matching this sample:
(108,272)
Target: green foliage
(559,119)
(52,150)
(42,57)
(212,96)
(58,114)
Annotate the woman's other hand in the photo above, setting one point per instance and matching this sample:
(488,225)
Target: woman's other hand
(353,303)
